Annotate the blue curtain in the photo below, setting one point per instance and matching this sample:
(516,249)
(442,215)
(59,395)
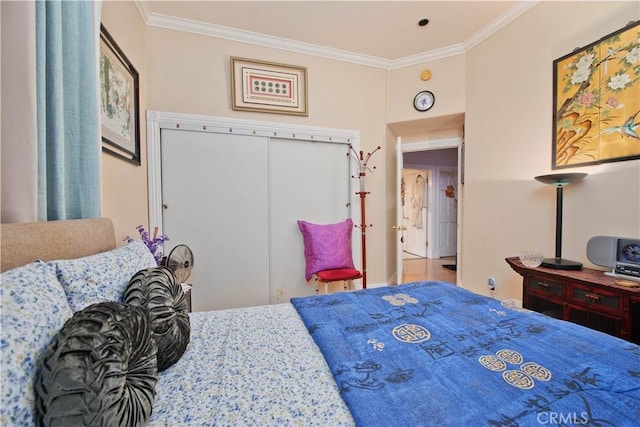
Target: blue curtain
(68,118)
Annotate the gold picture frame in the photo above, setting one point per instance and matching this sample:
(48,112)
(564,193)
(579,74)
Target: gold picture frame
(596,101)
(268,87)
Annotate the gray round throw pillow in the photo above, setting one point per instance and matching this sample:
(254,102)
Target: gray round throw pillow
(100,370)
(156,291)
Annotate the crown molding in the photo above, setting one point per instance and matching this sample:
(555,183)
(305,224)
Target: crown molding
(432,55)
(242,36)
(234,34)
(512,13)
(143,10)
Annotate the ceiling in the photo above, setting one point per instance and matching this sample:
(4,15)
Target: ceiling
(387,31)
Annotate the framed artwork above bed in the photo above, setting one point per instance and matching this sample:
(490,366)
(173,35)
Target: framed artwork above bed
(119,101)
(596,101)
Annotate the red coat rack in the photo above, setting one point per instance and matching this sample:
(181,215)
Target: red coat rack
(362,164)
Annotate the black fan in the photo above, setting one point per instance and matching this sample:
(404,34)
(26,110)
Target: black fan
(180,262)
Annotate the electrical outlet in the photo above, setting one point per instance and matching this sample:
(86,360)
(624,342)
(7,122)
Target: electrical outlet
(491,283)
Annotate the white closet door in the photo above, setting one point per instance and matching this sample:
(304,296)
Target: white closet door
(308,181)
(215,189)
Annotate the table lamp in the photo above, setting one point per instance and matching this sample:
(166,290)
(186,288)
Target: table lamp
(560,180)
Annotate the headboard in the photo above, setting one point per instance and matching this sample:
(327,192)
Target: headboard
(22,243)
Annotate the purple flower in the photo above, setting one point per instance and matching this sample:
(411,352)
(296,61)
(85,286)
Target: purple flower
(153,244)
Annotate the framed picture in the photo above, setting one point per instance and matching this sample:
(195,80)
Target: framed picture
(596,101)
(268,87)
(119,101)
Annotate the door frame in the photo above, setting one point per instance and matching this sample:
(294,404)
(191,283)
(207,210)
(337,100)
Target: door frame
(439,144)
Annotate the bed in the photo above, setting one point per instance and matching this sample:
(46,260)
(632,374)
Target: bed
(426,353)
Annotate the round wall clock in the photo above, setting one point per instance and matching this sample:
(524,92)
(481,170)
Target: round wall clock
(424,100)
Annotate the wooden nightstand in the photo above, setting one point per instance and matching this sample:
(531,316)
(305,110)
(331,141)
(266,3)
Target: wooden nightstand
(587,297)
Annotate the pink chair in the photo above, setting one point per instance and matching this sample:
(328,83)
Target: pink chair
(327,251)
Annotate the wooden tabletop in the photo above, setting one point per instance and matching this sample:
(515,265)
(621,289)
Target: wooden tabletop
(585,275)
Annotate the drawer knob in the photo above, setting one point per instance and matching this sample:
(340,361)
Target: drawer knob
(593,297)
(543,285)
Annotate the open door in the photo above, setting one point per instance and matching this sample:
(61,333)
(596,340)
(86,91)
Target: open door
(399,228)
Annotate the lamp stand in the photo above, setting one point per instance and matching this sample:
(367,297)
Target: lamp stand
(560,181)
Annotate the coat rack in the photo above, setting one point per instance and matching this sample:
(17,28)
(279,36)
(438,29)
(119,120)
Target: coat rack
(362,163)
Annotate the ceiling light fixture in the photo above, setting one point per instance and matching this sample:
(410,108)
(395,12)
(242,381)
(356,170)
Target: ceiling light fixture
(423,22)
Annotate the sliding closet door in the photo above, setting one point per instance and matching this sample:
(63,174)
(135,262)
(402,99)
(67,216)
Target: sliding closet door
(215,198)
(308,181)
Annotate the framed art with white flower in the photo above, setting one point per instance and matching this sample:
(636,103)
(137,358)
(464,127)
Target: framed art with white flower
(119,101)
(596,101)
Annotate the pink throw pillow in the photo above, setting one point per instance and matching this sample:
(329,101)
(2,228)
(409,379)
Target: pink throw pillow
(326,246)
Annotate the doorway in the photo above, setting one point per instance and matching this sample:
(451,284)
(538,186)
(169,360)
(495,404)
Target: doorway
(436,220)
(415,195)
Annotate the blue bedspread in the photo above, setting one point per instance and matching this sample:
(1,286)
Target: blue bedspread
(433,354)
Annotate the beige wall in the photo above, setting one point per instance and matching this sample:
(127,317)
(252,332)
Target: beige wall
(190,73)
(508,143)
(501,87)
(124,193)
(444,120)
(19,146)
(506,99)
(447,83)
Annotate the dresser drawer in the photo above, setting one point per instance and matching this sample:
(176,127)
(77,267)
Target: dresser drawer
(545,287)
(597,320)
(599,299)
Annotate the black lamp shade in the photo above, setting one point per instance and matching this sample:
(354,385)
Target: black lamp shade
(560,179)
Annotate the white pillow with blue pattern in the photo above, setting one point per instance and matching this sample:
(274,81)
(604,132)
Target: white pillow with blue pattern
(34,309)
(102,277)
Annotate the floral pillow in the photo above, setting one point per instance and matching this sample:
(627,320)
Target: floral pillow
(102,277)
(34,309)
(326,246)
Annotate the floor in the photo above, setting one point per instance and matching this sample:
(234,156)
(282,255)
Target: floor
(417,269)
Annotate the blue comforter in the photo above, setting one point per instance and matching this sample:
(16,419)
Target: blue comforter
(433,354)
